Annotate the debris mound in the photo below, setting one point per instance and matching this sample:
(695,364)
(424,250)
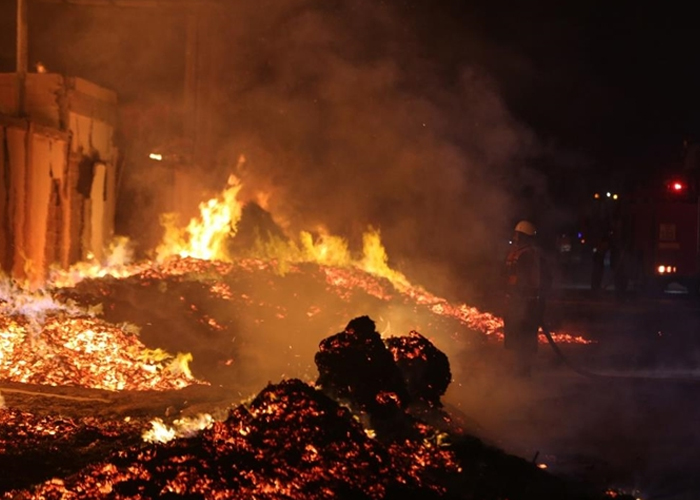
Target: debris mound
(425,368)
(291,442)
(356,367)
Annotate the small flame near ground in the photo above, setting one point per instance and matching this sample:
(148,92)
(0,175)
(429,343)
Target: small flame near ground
(185,427)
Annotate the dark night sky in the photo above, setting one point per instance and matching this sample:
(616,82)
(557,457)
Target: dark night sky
(615,80)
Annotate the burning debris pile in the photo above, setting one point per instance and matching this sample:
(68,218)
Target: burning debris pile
(292,441)
(226,314)
(37,448)
(44,341)
(373,428)
(219,311)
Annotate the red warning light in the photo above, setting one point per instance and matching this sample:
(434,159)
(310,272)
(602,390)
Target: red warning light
(676,187)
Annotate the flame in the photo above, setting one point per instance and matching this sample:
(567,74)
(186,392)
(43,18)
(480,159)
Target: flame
(375,261)
(204,237)
(44,340)
(117,263)
(182,428)
(218,220)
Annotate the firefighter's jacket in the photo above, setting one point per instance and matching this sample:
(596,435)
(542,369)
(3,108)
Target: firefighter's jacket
(525,272)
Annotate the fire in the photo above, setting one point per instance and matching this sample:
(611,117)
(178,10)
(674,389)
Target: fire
(204,238)
(118,263)
(43,341)
(84,352)
(181,428)
(375,261)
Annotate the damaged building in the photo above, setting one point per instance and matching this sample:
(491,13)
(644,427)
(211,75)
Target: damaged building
(58,162)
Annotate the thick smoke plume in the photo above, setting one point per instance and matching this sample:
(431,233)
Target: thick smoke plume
(345,115)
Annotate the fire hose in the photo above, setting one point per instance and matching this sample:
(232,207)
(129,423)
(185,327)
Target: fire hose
(601,376)
(564,359)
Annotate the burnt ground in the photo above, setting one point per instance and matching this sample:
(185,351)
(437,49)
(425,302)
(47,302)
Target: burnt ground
(635,426)
(637,433)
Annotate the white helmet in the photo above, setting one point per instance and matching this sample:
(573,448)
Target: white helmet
(526,227)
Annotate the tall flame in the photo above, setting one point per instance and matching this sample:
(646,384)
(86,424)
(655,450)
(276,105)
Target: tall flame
(204,237)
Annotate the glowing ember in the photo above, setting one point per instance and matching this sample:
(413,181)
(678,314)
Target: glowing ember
(291,442)
(45,342)
(85,352)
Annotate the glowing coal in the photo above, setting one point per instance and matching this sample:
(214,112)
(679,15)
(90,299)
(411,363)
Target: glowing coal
(426,369)
(290,442)
(45,341)
(356,366)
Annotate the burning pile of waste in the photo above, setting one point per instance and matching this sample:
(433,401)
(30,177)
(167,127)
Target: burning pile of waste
(293,441)
(121,326)
(234,318)
(49,342)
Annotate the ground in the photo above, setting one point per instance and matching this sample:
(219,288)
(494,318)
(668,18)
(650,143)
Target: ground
(630,423)
(635,426)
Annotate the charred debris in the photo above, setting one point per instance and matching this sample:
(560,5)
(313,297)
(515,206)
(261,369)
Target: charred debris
(371,427)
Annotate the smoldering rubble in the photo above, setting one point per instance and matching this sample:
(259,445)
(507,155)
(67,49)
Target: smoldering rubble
(294,441)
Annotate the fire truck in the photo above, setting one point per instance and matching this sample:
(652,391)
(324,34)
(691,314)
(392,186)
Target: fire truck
(662,240)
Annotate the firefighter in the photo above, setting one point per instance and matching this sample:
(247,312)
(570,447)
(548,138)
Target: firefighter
(526,274)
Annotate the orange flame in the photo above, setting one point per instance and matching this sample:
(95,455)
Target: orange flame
(204,238)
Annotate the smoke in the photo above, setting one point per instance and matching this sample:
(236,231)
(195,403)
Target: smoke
(346,123)
(347,112)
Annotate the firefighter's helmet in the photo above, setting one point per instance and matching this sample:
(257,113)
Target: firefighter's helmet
(526,227)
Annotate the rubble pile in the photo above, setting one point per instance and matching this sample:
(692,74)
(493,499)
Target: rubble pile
(294,441)
(425,369)
(36,448)
(290,442)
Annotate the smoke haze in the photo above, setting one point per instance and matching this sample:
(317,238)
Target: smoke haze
(347,113)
